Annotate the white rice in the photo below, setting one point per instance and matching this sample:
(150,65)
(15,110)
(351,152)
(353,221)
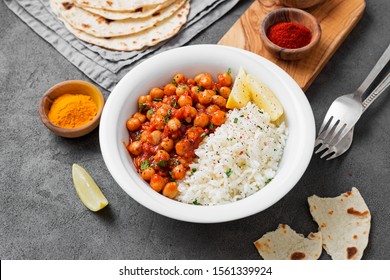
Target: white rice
(239,159)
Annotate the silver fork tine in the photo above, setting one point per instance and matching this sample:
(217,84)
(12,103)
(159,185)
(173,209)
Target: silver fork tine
(328,152)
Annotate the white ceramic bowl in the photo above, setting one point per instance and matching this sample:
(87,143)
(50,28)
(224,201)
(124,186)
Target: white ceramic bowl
(191,60)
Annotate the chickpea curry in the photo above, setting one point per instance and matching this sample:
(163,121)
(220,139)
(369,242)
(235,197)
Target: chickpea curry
(171,123)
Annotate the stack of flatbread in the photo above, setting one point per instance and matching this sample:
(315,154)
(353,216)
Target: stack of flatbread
(122,25)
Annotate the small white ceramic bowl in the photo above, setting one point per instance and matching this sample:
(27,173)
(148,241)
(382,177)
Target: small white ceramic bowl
(191,60)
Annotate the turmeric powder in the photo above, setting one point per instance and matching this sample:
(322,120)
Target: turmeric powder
(72,110)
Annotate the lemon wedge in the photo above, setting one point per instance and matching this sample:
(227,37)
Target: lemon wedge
(240,95)
(264,98)
(86,188)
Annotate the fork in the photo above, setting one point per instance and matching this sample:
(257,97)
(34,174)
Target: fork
(345,143)
(346,110)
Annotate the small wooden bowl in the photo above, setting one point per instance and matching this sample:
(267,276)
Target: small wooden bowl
(71,86)
(290,15)
(300,4)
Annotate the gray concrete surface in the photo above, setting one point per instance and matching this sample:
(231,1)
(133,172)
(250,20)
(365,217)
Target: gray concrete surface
(42,218)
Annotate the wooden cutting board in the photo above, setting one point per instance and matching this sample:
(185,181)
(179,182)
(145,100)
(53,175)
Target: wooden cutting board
(336,17)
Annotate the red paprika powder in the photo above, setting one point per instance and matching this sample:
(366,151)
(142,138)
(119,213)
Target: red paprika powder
(289,35)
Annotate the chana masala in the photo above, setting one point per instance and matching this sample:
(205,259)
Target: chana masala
(171,123)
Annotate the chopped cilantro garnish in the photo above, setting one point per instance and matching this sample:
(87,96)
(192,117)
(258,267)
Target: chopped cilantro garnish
(195,202)
(141,106)
(229,172)
(211,126)
(204,134)
(241,116)
(200,88)
(157,99)
(137,135)
(162,163)
(151,111)
(229,71)
(174,102)
(269,180)
(174,82)
(235,120)
(193,170)
(166,119)
(145,164)
(260,111)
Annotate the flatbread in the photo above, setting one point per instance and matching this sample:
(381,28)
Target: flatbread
(285,244)
(101,27)
(344,222)
(118,5)
(120,15)
(150,37)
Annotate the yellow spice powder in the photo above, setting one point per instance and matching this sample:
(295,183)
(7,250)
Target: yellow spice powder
(72,110)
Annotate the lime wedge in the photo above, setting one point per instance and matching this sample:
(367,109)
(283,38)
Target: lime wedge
(264,98)
(240,95)
(86,188)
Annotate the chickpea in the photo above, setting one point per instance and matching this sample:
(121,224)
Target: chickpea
(174,124)
(149,114)
(167,144)
(161,155)
(191,82)
(158,121)
(140,116)
(225,92)
(170,89)
(157,182)
(162,111)
(144,99)
(219,101)
(195,89)
(205,97)
(225,79)
(211,109)
(144,136)
(178,172)
(180,91)
(201,120)
(183,147)
(147,173)
(184,100)
(135,148)
(156,93)
(218,117)
(194,133)
(155,137)
(200,106)
(189,113)
(179,78)
(198,77)
(170,190)
(133,124)
(206,81)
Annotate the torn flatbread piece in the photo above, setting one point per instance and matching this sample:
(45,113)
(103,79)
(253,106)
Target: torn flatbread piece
(344,222)
(285,244)
(120,15)
(101,27)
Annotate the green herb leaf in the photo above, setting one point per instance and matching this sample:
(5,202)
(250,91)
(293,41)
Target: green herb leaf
(174,82)
(174,102)
(229,172)
(200,88)
(162,163)
(157,99)
(235,120)
(229,71)
(166,119)
(137,135)
(141,107)
(193,170)
(269,180)
(211,126)
(150,111)
(260,111)
(195,202)
(204,134)
(145,165)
